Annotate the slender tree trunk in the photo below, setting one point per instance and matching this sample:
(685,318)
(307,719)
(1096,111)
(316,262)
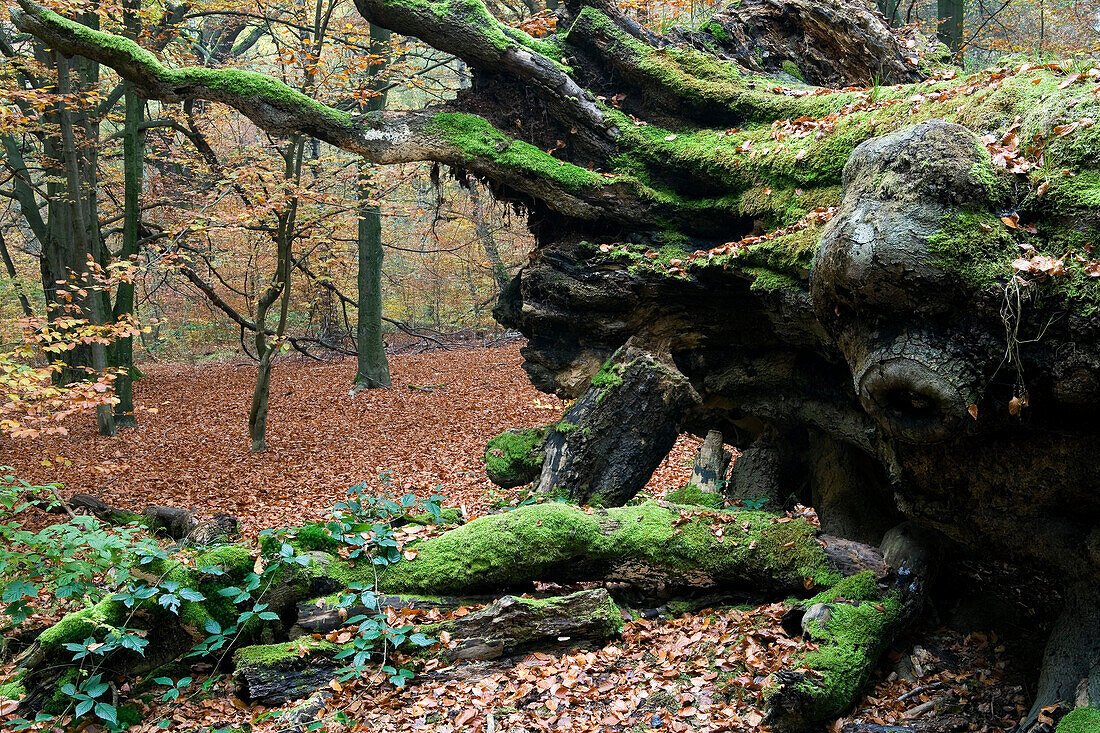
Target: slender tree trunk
(950,29)
(280,286)
(488,241)
(133,150)
(133,162)
(372,368)
(82,232)
(24,303)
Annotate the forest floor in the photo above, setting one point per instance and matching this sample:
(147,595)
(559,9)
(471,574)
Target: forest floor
(427,434)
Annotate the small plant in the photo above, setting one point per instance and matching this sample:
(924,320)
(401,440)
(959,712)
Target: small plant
(139,579)
(62,561)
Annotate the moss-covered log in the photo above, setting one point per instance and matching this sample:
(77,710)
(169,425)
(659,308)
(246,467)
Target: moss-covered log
(646,545)
(851,624)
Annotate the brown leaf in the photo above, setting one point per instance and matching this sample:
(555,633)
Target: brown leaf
(1070,81)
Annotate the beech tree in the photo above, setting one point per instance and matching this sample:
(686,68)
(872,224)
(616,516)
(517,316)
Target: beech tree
(790,226)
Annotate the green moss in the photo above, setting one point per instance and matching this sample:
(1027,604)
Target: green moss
(236,560)
(1081,720)
(94,621)
(515,457)
(703,80)
(267,655)
(474,136)
(715,28)
(59,702)
(609,376)
(975,245)
(496,550)
(692,495)
(769,282)
(129,716)
(474,12)
(234,81)
(858,587)
(13,689)
(315,538)
(790,68)
(447,516)
(849,644)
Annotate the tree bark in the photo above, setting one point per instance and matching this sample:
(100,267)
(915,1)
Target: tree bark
(372,367)
(612,439)
(711,465)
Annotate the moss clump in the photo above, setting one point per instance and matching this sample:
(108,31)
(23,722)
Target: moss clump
(315,538)
(791,69)
(13,689)
(858,587)
(975,245)
(235,560)
(609,376)
(94,621)
(514,457)
(447,516)
(1081,720)
(523,544)
(269,655)
(692,495)
(769,282)
(849,643)
(474,136)
(715,28)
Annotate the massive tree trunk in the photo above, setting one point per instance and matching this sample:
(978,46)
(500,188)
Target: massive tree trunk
(897,279)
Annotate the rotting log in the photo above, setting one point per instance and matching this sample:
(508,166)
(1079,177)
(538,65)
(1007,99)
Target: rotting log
(274,674)
(851,623)
(644,545)
(176,523)
(647,546)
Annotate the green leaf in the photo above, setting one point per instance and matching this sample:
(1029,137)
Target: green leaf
(96,689)
(103,711)
(84,706)
(191,594)
(18,590)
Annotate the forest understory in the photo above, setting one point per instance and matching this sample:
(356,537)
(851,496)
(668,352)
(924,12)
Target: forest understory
(682,664)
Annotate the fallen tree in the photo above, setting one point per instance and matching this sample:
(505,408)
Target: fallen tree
(305,612)
(885,295)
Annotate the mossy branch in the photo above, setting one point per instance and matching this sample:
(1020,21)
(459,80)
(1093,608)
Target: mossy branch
(461,140)
(466,29)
